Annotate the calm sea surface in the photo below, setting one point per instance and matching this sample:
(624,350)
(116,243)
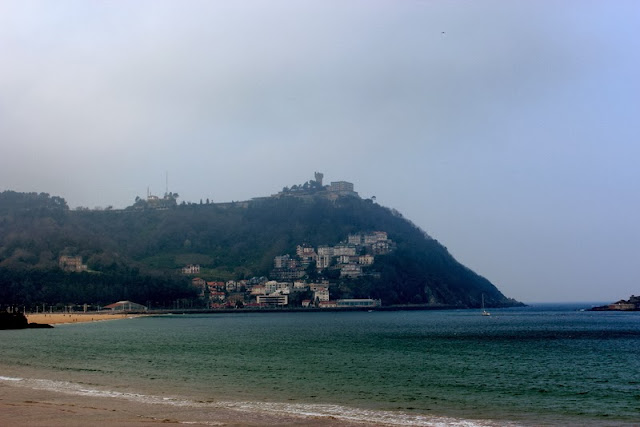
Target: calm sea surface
(536,365)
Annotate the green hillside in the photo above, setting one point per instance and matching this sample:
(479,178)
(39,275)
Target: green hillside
(138,253)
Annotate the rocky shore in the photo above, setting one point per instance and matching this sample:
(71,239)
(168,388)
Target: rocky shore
(18,321)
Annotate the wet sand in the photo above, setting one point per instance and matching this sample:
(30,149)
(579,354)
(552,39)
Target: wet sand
(38,408)
(58,318)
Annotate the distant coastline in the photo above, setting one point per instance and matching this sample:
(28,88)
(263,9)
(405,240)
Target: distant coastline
(56,318)
(632,304)
(96,316)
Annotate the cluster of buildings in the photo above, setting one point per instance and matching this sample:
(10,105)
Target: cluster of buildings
(288,285)
(314,187)
(260,292)
(349,257)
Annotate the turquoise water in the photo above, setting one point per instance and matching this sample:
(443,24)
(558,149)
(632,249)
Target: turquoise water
(534,365)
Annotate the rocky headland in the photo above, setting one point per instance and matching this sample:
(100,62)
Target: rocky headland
(18,321)
(632,304)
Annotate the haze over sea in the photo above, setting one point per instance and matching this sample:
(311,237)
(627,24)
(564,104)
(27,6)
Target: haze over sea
(546,364)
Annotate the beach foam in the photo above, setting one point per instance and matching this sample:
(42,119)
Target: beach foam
(338,413)
(357,415)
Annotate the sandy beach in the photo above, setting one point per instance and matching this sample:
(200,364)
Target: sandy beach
(38,408)
(58,318)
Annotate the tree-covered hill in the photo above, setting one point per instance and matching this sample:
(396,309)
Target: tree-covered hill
(128,251)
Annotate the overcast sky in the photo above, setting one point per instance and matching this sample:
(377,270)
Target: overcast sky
(508,130)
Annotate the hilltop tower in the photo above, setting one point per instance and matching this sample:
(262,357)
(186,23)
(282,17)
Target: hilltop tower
(319,176)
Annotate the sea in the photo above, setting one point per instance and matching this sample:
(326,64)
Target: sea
(546,364)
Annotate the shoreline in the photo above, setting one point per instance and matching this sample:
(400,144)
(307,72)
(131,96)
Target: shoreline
(66,318)
(78,317)
(63,318)
(20,405)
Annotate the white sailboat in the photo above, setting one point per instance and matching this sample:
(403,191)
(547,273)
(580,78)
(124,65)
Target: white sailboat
(484,312)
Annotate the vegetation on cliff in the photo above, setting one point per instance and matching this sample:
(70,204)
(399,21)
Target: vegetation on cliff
(137,254)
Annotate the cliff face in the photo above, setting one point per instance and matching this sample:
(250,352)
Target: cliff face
(229,241)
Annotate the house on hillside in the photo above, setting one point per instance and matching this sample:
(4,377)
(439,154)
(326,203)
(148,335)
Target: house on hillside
(71,263)
(191,269)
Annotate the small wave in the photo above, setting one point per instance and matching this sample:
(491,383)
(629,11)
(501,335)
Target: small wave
(357,415)
(302,410)
(9,378)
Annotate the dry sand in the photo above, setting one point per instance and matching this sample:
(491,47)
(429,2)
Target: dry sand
(57,318)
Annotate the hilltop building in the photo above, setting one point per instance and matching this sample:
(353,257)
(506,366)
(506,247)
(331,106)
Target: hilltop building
(341,188)
(314,188)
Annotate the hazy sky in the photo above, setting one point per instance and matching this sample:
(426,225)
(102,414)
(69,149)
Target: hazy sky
(508,130)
